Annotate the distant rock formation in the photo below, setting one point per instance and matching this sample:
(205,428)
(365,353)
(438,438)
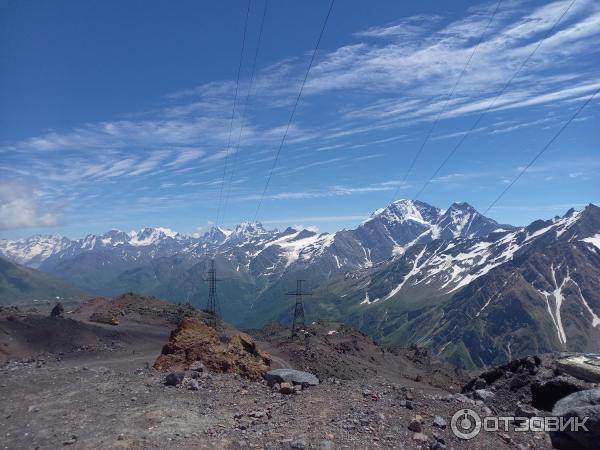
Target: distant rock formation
(193,342)
(58,310)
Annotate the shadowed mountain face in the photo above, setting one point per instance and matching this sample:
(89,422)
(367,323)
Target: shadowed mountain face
(481,301)
(23,284)
(475,291)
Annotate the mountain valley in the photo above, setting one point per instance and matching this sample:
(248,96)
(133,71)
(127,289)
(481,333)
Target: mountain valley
(476,292)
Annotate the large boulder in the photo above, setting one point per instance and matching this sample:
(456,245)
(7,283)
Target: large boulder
(579,405)
(193,342)
(545,394)
(291,376)
(584,367)
(174,378)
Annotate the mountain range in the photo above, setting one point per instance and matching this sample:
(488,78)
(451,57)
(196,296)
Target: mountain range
(475,291)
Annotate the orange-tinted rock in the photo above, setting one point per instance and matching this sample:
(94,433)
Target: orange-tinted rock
(194,341)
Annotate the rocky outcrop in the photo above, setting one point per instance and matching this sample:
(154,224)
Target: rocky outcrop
(193,342)
(583,406)
(531,384)
(58,310)
(584,367)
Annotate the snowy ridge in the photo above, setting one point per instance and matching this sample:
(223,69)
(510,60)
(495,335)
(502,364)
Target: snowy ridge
(453,268)
(301,245)
(445,249)
(539,282)
(454,264)
(406,223)
(34,250)
(151,236)
(593,240)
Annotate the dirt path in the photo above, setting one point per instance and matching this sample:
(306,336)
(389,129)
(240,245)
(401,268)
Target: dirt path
(279,363)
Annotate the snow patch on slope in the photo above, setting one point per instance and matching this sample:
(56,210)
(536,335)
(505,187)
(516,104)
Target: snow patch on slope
(304,248)
(415,269)
(150,236)
(594,240)
(558,297)
(368,301)
(595,318)
(38,248)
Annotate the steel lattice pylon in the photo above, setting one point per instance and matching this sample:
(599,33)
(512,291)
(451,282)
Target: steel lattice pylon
(298,323)
(212,305)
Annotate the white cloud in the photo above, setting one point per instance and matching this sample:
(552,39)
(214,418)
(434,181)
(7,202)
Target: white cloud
(386,79)
(405,28)
(317,219)
(412,63)
(332,191)
(217,155)
(312,228)
(311,165)
(20,208)
(151,163)
(186,156)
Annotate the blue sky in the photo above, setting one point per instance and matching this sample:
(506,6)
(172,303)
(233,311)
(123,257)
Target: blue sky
(116,114)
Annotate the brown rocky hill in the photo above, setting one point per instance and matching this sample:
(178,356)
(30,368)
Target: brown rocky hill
(333,350)
(135,308)
(194,345)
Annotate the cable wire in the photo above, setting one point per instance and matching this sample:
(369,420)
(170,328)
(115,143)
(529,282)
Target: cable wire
(450,95)
(293,112)
(237,85)
(243,113)
(542,151)
(493,102)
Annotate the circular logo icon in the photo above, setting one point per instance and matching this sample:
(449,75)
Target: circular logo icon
(465,424)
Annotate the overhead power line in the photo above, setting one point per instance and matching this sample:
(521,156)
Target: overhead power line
(293,111)
(245,108)
(494,100)
(448,98)
(237,85)
(542,151)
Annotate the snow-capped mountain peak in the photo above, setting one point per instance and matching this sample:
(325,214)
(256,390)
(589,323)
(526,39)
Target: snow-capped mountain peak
(471,270)
(407,210)
(32,251)
(151,236)
(247,231)
(249,228)
(216,235)
(405,223)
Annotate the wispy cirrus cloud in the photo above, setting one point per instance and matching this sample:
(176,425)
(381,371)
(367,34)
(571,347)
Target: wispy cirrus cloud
(330,191)
(385,80)
(317,219)
(415,59)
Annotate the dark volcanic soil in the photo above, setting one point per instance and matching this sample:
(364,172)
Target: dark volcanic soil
(104,394)
(331,349)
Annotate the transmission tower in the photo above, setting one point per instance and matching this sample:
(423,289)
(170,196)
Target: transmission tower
(298,323)
(212,306)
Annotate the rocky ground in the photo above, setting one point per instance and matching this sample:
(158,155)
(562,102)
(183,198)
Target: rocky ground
(95,406)
(531,386)
(109,395)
